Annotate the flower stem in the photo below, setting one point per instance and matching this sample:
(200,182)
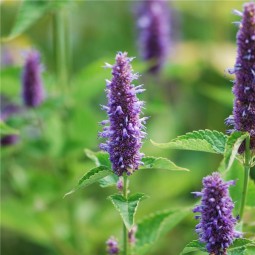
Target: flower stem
(247,158)
(125,231)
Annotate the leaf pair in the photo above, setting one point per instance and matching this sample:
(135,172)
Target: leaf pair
(105,176)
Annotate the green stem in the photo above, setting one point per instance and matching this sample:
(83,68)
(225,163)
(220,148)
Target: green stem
(125,231)
(247,159)
(59,36)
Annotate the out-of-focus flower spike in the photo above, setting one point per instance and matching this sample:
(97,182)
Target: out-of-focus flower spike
(238,13)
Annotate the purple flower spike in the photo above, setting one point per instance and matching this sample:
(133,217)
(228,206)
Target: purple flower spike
(112,246)
(124,133)
(243,118)
(33,92)
(154,32)
(216,227)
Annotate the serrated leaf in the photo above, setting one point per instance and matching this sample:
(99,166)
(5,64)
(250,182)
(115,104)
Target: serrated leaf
(155,225)
(193,246)
(160,163)
(127,207)
(232,145)
(202,140)
(240,246)
(102,159)
(7,130)
(91,177)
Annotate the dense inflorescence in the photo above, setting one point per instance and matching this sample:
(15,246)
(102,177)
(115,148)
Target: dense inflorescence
(216,227)
(33,92)
(153,24)
(124,133)
(243,118)
(112,246)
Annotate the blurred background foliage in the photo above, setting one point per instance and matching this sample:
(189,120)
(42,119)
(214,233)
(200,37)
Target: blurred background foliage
(193,92)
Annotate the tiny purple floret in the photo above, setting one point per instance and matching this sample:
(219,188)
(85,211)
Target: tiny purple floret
(217,224)
(32,86)
(112,246)
(243,118)
(124,129)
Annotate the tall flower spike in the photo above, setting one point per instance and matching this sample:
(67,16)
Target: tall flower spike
(243,118)
(153,24)
(33,92)
(112,246)
(216,227)
(124,133)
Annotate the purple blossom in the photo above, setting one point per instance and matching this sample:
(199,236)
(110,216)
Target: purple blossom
(216,227)
(112,246)
(243,118)
(124,133)
(153,24)
(33,92)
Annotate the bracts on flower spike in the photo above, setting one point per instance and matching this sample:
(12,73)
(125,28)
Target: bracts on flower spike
(124,127)
(32,86)
(243,118)
(216,227)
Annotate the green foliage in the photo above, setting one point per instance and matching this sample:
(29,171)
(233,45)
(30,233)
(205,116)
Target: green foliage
(160,163)
(154,226)
(232,145)
(91,177)
(30,12)
(127,207)
(202,140)
(7,130)
(240,246)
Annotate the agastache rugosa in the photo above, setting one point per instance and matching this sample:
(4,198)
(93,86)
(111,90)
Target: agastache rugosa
(124,133)
(243,118)
(216,227)
(32,86)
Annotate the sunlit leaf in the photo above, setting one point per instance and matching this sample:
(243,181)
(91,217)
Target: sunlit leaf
(160,163)
(202,140)
(7,130)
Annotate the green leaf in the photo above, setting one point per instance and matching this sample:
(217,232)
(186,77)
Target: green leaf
(231,150)
(202,140)
(155,225)
(160,163)
(6,130)
(91,177)
(99,158)
(193,246)
(102,159)
(240,246)
(30,12)
(108,181)
(127,207)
